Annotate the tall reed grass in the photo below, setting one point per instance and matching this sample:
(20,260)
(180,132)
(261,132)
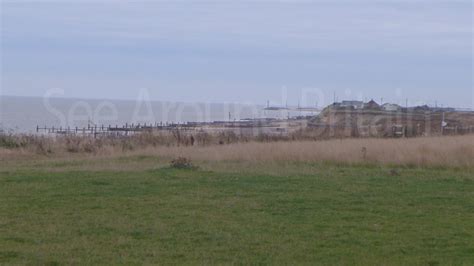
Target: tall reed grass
(457,151)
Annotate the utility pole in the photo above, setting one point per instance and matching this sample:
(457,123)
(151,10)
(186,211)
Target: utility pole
(334,96)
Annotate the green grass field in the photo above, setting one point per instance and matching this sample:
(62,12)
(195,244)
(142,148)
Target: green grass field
(77,212)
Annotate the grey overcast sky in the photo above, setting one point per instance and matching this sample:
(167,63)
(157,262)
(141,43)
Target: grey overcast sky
(240,51)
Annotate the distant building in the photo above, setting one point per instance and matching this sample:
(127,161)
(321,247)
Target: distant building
(355,104)
(447,109)
(372,105)
(426,108)
(422,108)
(391,107)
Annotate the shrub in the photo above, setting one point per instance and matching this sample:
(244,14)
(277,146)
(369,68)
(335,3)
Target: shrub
(394,172)
(90,147)
(72,144)
(8,141)
(182,163)
(43,146)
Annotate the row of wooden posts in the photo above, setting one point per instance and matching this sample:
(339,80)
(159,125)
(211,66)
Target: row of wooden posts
(102,129)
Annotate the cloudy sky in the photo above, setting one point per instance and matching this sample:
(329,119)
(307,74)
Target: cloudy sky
(247,51)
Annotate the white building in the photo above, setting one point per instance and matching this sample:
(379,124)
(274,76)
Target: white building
(391,107)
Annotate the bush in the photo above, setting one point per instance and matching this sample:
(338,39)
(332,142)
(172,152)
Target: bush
(9,142)
(73,144)
(182,163)
(43,146)
(90,147)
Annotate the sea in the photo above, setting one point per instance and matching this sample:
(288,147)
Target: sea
(25,114)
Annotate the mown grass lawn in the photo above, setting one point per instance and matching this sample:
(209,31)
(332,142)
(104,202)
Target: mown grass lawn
(327,214)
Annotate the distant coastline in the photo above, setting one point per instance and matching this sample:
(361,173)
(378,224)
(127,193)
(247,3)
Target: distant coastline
(22,114)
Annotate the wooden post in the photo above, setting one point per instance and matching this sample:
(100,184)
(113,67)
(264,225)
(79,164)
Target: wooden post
(442,125)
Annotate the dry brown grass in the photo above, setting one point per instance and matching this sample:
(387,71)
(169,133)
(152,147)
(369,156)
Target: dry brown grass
(455,151)
(433,151)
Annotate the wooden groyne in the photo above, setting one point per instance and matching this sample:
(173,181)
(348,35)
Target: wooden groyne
(249,126)
(126,129)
